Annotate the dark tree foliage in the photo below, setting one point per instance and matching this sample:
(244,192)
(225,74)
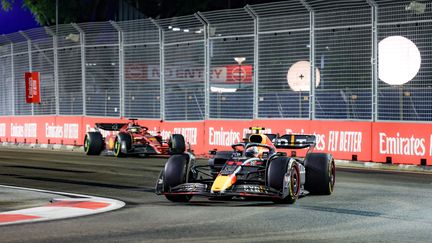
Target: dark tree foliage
(101,10)
(6,5)
(171,8)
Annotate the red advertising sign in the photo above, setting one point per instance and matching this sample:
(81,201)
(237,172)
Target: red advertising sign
(32,83)
(138,72)
(236,74)
(229,74)
(400,143)
(343,139)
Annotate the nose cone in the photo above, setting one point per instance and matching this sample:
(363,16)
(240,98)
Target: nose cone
(223,182)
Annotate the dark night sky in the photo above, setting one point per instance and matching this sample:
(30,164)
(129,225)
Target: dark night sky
(16,19)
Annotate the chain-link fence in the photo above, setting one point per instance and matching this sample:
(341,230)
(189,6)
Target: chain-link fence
(367,60)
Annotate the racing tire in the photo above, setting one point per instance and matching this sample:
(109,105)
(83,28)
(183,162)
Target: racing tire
(122,138)
(175,173)
(320,173)
(177,144)
(276,171)
(93,143)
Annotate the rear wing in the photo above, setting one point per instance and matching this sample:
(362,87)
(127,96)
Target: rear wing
(110,126)
(294,141)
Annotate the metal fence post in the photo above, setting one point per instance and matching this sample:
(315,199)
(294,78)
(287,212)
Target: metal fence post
(206,24)
(311,58)
(312,64)
(374,60)
(256,59)
(56,77)
(29,48)
(121,68)
(13,79)
(83,67)
(161,70)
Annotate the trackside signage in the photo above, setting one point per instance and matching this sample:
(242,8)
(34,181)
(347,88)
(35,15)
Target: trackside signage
(26,130)
(220,137)
(343,139)
(32,85)
(403,143)
(344,142)
(2,129)
(190,134)
(221,74)
(67,130)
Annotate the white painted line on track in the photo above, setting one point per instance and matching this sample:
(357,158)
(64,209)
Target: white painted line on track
(75,206)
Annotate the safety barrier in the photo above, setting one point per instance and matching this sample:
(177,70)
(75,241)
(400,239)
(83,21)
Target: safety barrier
(386,142)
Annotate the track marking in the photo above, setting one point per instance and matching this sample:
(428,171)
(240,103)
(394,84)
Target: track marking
(8,218)
(79,204)
(74,206)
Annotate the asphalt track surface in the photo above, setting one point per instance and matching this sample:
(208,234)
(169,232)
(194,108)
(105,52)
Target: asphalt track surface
(367,206)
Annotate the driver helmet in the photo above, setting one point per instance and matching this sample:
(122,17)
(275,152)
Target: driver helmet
(252,152)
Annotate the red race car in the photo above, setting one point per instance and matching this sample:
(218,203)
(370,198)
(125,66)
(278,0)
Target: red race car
(130,139)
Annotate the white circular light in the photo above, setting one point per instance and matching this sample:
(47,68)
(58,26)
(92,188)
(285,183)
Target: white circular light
(398,60)
(298,76)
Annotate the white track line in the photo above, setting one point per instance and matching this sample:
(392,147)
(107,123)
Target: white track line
(77,205)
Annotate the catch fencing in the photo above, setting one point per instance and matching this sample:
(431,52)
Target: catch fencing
(188,68)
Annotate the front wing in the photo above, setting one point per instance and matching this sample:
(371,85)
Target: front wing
(138,149)
(202,189)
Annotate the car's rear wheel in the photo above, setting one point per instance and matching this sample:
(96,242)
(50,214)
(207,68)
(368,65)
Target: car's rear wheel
(122,139)
(177,144)
(175,173)
(320,173)
(93,143)
(285,178)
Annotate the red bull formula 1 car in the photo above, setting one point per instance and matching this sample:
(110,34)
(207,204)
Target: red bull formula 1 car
(130,139)
(253,169)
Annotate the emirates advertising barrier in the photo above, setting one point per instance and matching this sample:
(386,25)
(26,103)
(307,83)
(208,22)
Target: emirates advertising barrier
(399,143)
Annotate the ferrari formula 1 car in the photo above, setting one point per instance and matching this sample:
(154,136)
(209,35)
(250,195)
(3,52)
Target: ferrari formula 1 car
(252,170)
(131,139)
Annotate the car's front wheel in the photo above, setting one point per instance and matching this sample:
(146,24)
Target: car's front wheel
(284,177)
(122,139)
(175,173)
